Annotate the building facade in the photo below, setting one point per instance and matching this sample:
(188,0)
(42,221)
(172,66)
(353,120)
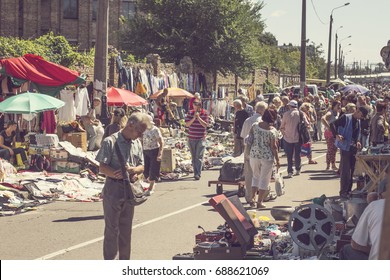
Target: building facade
(73,19)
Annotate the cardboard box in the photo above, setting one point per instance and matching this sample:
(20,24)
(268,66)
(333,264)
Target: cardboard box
(65,166)
(58,153)
(38,150)
(78,139)
(168,160)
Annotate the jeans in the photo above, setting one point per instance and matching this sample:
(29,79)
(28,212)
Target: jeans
(5,154)
(197,148)
(348,253)
(293,149)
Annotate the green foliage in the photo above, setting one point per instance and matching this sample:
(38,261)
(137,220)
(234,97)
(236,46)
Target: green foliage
(52,48)
(219,35)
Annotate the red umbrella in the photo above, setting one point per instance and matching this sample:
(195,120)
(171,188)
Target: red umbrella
(173,92)
(119,97)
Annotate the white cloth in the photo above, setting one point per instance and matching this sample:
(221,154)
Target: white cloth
(246,127)
(67,113)
(82,102)
(369,228)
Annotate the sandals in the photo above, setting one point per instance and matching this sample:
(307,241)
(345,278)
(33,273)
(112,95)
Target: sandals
(313,162)
(271,196)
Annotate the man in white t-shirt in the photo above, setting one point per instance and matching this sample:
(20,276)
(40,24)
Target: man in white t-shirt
(366,237)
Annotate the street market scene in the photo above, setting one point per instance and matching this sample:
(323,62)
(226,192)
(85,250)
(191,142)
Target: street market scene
(158,140)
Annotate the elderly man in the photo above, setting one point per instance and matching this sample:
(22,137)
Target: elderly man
(118,212)
(292,146)
(260,107)
(239,118)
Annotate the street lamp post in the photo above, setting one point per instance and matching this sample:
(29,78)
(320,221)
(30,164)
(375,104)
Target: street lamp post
(330,42)
(340,55)
(335,53)
(302,76)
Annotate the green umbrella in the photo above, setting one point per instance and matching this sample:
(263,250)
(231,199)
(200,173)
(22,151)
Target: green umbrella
(30,102)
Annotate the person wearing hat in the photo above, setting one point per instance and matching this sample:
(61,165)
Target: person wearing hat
(365,242)
(347,130)
(292,145)
(118,122)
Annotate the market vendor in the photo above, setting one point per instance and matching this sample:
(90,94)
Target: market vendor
(366,237)
(7,143)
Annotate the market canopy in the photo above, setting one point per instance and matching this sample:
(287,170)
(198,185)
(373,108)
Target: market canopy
(120,97)
(47,77)
(173,92)
(30,102)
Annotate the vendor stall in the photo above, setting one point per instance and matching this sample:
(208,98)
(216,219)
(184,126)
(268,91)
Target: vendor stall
(374,166)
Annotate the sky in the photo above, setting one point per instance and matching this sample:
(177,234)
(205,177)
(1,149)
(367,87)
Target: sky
(366,21)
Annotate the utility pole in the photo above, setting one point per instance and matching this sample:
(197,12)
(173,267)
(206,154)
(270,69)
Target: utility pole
(101,53)
(303,51)
(335,57)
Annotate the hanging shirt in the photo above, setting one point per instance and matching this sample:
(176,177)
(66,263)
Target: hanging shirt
(82,102)
(67,113)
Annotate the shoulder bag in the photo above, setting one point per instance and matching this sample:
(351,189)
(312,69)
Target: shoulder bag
(135,192)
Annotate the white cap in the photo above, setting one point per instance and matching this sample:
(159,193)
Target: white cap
(293,103)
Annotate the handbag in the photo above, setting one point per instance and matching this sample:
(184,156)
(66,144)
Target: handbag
(134,190)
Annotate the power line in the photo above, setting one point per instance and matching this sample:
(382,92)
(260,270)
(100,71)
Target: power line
(314,8)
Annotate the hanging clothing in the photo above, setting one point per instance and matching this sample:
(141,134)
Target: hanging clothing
(67,113)
(49,122)
(82,102)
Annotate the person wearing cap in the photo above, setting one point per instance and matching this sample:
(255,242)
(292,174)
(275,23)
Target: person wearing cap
(292,145)
(367,234)
(118,212)
(93,126)
(118,122)
(153,144)
(7,143)
(347,130)
(196,98)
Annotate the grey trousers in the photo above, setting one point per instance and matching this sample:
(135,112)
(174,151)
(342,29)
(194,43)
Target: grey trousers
(118,218)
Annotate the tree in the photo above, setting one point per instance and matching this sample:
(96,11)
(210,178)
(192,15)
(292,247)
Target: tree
(219,35)
(52,48)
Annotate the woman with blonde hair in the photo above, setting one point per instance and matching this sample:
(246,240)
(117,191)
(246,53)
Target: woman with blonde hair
(118,121)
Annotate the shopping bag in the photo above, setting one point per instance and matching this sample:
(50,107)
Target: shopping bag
(306,149)
(279,184)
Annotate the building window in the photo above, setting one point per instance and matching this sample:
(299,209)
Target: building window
(71,9)
(94,9)
(128,9)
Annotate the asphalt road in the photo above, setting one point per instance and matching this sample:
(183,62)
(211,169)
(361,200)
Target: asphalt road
(164,226)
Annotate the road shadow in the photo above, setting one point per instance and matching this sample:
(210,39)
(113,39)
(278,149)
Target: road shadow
(322,178)
(80,219)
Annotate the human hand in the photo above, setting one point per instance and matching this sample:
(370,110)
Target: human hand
(11,151)
(339,137)
(159,157)
(118,174)
(133,178)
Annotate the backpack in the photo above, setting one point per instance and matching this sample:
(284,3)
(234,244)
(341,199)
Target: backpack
(231,172)
(304,134)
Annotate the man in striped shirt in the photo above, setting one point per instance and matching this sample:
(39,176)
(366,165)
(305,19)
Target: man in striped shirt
(196,122)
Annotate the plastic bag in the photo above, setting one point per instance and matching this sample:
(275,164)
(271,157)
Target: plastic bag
(279,184)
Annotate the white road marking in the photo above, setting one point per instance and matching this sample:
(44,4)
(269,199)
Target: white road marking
(78,246)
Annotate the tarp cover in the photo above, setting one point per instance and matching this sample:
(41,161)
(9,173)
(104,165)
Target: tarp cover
(46,76)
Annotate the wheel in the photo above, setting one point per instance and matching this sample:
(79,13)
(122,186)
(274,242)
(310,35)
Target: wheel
(241,192)
(219,189)
(311,227)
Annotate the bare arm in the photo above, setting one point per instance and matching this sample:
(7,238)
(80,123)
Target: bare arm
(161,143)
(201,121)
(364,249)
(110,172)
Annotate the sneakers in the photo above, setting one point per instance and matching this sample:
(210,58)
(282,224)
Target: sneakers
(196,177)
(289,175)
(298,172)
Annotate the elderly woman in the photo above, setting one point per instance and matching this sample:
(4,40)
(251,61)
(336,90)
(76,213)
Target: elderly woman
(263,141)
(153,144)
